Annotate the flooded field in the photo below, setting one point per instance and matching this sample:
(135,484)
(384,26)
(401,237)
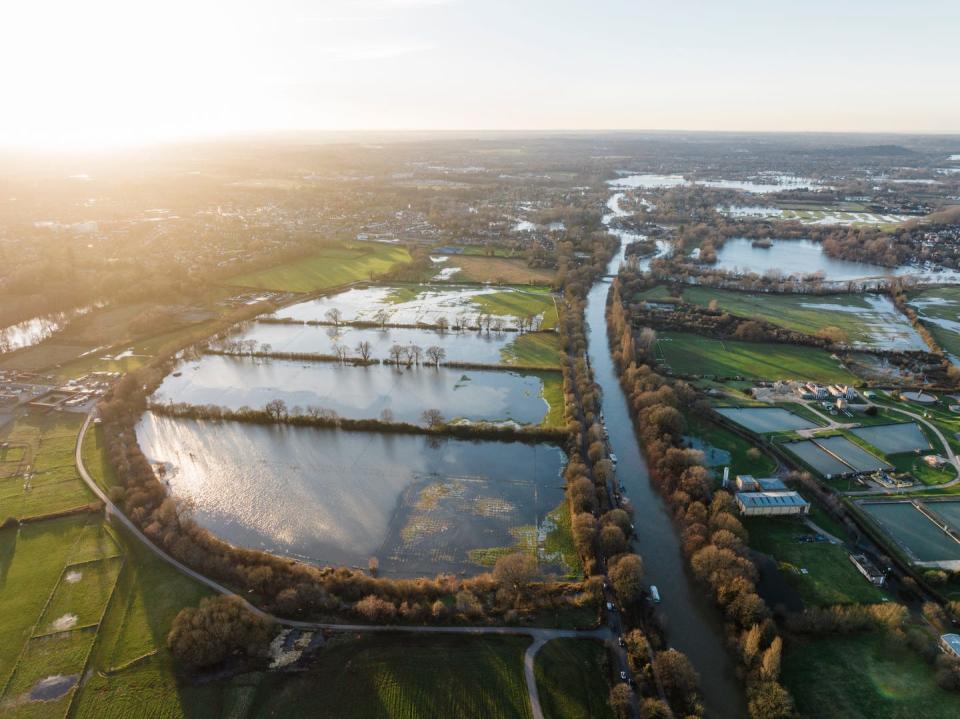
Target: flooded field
(765,419)
(860,320)
(420,505)
(470,346)
(764,184)
(788,257)
(426,305)
(361,392)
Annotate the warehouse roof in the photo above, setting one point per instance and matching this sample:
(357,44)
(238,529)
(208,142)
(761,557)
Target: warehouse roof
(771,499)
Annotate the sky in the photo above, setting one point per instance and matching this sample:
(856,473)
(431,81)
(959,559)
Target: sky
(86,73)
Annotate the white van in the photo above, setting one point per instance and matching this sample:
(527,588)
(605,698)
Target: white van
(654,594)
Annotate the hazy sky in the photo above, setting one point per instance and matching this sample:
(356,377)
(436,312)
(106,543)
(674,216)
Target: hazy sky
(118,71)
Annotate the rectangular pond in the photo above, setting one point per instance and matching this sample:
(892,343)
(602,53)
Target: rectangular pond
(948,510)
(361,392)
(477,347)
(894,438)
(913,531)
(849,453)
(421,505)
(818,460)
(765,419)
(425,304)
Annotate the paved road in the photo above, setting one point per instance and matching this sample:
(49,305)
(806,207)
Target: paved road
(539,635)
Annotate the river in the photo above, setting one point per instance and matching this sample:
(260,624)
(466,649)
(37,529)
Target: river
(694,625)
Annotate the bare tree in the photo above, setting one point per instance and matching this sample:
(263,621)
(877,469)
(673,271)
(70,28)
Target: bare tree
(415,353)
(381,317)
(341,351)
(436,354)
(276,408)
(498,325)
(442,324)
(333,315)
(432,417)
(396,352)
(363,349)
(386,415)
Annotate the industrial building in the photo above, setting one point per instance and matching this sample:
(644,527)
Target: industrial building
(770,504)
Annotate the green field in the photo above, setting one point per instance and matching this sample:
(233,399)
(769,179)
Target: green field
(403,677)
(831,577)
(808,314)
(863,676)
(333,266)
(521,303)
(56,579)
(45,479)
(571,679)
(94,454)
(552,393)
(533,349)
(690,354)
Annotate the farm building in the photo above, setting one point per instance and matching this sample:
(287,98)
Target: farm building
(950,644)
(749,483)
(769,504)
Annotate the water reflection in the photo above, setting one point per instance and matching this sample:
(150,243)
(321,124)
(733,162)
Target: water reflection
(329,496)
(360,392)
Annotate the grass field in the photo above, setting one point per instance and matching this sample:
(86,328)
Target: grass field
(332,266)
(533,349)
(404,677)
(689,354)
(552,393)
(32,559)
(831,577)
(499,270)
(858,320)
(45,479)
(864,676)
(521,303)
(94,454)
(572,679)
(56,579)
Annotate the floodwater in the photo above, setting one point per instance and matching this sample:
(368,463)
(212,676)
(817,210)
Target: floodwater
(694,625)
(881,322)
(404,306)
(769,182)
(358,392)
(789,257)
(34,331)
(477,347)
(419,504)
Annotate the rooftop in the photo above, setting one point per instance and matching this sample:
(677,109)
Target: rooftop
(771,499)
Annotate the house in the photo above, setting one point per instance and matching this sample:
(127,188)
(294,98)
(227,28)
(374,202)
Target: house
(950,644)
(769,504)
(934,460)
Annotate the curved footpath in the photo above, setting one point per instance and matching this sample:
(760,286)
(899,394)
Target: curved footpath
(539,635)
